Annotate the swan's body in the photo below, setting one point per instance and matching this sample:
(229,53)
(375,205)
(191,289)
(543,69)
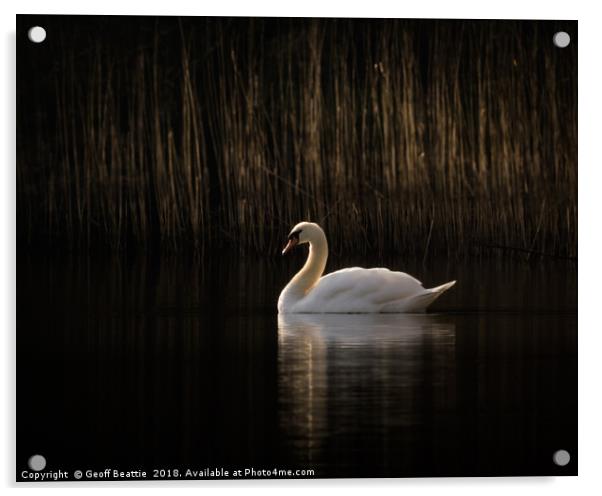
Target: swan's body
(353,290)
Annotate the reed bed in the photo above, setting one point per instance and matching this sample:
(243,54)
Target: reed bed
(418,137)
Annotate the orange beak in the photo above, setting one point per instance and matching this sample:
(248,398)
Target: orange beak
(290,245)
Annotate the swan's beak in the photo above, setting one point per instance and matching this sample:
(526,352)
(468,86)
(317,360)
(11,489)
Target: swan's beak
(290,245)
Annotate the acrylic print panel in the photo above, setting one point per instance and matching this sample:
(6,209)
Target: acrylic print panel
(164,162)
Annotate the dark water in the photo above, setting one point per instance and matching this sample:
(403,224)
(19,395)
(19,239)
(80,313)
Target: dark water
(173,363)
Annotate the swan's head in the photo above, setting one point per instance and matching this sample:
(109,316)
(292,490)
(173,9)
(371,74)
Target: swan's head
(304,232)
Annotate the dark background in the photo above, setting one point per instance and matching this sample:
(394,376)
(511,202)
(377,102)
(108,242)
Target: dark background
(412,136)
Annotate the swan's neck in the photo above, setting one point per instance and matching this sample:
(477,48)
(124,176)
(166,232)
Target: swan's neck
(314,267)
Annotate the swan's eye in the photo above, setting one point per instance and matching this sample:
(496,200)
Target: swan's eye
(295,235)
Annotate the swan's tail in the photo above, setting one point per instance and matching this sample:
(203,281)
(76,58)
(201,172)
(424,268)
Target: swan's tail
(441,289)
(420,302)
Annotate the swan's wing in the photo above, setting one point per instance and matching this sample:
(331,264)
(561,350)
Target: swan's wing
(359,290)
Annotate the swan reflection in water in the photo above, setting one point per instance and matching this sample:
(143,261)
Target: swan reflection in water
(356,381)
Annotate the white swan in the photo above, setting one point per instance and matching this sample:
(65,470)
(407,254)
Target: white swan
(353,290)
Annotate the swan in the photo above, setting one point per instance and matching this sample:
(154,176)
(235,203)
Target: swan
(352,290)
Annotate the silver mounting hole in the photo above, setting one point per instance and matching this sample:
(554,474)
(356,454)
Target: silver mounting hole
(37,34)
(562,458)
(561,39)
(36,463)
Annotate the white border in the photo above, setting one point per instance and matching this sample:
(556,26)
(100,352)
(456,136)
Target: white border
(590,210)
